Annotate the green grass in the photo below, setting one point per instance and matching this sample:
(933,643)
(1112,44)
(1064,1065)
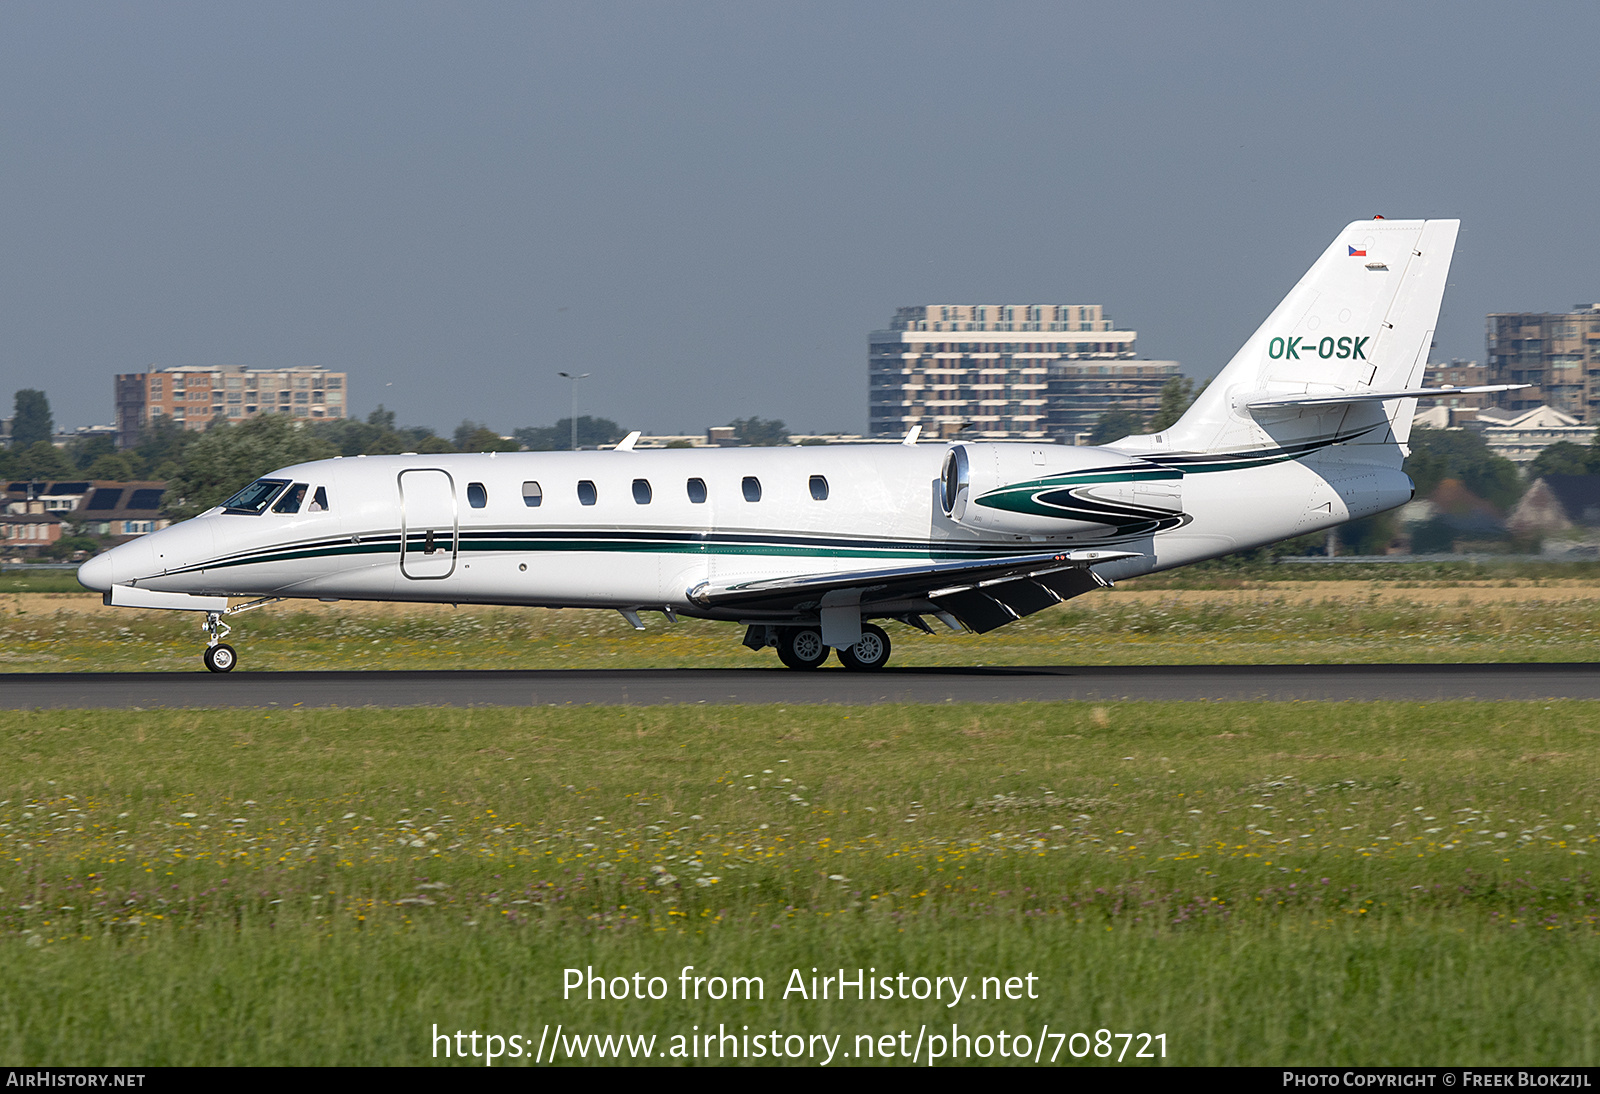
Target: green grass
(1399,618)
(1103,628)
(39,581)
(1215,574)
(1231,572)
(1263,883)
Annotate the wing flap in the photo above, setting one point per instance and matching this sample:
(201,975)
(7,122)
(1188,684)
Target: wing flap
(984,607)
(1012,587)
(976,611)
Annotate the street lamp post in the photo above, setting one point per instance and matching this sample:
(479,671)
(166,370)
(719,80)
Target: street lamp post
(574,379)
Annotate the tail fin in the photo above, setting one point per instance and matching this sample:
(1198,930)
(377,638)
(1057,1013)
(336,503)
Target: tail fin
(1360,322)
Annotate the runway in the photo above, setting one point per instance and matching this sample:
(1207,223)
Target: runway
(639,687)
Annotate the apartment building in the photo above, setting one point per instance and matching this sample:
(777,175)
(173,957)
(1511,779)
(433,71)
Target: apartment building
(1558,353)
(1080,391)
(997,371)
(194,395)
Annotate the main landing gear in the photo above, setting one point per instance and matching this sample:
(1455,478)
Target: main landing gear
(803,648)
(869,654)
(219,656)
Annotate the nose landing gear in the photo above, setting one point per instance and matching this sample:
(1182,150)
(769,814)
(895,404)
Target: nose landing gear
(219,656)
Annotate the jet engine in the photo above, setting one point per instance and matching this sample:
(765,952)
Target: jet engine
(1055,490)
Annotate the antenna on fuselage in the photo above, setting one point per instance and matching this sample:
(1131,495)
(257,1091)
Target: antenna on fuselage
(912,434)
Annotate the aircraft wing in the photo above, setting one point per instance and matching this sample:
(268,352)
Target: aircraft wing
(982,593)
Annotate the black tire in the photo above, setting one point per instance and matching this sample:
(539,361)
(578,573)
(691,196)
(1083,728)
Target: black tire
(221,657)
(869,654)
(801,647)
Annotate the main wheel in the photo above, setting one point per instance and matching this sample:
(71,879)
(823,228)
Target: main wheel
(801,647)
(221,657)
(871,653)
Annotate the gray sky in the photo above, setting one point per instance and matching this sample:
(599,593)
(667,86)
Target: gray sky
(708,206)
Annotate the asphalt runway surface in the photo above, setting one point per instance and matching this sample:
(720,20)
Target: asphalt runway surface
(639,687)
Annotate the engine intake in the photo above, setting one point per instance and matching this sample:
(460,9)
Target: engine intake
(1054,490)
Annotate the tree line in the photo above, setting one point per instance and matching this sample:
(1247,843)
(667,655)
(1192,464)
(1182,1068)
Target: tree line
(203,468)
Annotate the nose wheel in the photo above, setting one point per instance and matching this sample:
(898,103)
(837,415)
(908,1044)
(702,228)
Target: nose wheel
(219,656)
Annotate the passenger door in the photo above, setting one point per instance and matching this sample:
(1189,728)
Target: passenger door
(427,524)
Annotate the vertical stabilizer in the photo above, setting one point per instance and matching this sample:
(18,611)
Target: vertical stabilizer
(1360,321)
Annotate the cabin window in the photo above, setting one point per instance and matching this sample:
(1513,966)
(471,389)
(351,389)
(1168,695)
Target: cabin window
(291,499)
(253,499)
(319,500)
(819,488)
(641,491)
(751,487)
(477,496)
(532,495)
(697,491)
(587,495)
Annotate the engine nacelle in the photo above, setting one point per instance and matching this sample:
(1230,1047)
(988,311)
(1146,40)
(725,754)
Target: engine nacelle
(1056,490)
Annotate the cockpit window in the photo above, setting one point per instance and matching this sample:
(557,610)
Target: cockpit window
(319,500)
(291,499)
(254,499)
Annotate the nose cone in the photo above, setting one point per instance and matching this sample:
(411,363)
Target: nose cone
(97,573)
(120,565)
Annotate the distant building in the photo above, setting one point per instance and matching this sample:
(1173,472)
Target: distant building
(43,496)
(1458,373)
(985,370)
(194,395)
(25,534)
(92,507)
(83,433)
(1558,353)
(1081,391)
(1520,435)
(1558,503)
(827,438)
(120,509)
(1442,417)
(666,440)
(722,436)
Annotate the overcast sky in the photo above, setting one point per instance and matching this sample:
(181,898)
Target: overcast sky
(708,206)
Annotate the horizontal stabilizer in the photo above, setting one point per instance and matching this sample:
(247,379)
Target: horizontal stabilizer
(1378,396)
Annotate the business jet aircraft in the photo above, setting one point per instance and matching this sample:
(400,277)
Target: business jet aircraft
(1305,429)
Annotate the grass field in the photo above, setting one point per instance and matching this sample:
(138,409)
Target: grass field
(1254,623)
(1262,883)
(1206,614)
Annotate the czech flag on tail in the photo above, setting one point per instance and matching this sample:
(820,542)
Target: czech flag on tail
(1357,252)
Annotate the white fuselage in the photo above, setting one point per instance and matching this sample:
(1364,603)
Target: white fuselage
(650,549)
